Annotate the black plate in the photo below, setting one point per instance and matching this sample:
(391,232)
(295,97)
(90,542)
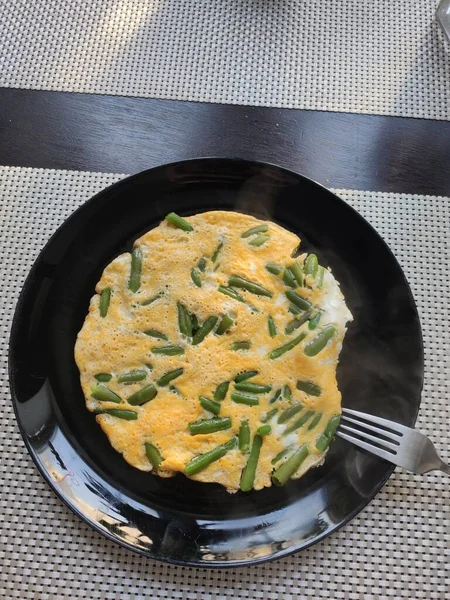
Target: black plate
(178,520)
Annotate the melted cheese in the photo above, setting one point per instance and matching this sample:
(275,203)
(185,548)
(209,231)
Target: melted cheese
(117,343)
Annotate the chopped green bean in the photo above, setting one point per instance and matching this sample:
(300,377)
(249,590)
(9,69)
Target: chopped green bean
(297,322)
(184,320)
(249,471)
(290,466)
(319,277)
(228,291)
(244,437)
(317,344)
(315,421)
(274,269)
(247,399)
(151,300)
(259,240)
(289,346)
(195,276)
(264,430)
(105,299)
(221,391)
(271,326)
(295,310)
(310,388)
(134,282)
(206,328)
(168,377)
(275,397)
(324,439)
(127,415)
(224,325)
(269,415)
(240,346)
(132,376)
(209,425)
(245,375)
(199,463)
(299,422)
(195,323)
(153,455)
(202,265)
(298,300)
(290,412)
(255,230)
(210,405)
(178,221)
(142,396)
(297,272)
(216,252)
(314,321)
(287,392)
(168,350)
(288,278)
(175,390)
(249,286)
(281,455)
(156,334)
(252,388)
(104,394)
(311,265)
(104,377)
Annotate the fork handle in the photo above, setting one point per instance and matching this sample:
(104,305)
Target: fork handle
(444,467)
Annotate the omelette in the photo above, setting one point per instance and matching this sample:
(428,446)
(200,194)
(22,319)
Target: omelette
(211,350)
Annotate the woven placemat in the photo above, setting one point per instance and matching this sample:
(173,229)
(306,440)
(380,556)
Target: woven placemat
(382,57)
(398,547)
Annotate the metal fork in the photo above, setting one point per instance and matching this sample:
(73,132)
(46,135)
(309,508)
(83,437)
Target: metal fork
(396,443)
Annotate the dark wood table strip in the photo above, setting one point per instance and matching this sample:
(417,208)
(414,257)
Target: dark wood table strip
(126,135)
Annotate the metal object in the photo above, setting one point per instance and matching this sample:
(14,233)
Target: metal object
(396,443)
(443,17)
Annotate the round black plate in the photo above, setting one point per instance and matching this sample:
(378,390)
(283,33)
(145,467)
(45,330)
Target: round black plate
(178,520)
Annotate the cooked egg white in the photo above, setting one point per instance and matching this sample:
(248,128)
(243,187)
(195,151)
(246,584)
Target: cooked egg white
(116,344)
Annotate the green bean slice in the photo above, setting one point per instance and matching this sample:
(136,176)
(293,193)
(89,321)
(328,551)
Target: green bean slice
(151,300)
(311,265)
(274,269)
(246,399)
(153,455)
(132,376)
(104,394)
(178,221)
(245,375)
(314,321)
(202,265)
(134,282)
(195,276)
(297,272)
(320,276)
(309,387)
(298,300)
(269,415)
(156,334)
(259,240)
(170,376)
(199,463)
(299,423)
(143,395)
(315,421)
(228,291)
(209,425)
(295,310)
(209,405)
(249,471)
(204,330)
(224,325)
(324,439)
(244,437)
(195,323)
(287,392)
(317,344)
(252,388)
(255,230)
(297,322)
(168,350)
(290,466)
(249,286)
(287,347)
(271,326)
(240,346)
(275,397)
(103,377)
(105,299)
(127,415)
(281,455)
(216,252)
(221,391)
(184,320)
(264,430)
(290,412)
(288,278)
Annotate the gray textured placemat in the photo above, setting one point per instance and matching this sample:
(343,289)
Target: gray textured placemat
(365,56)
(398,547)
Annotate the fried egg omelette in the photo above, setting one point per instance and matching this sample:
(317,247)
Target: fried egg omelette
(211,351)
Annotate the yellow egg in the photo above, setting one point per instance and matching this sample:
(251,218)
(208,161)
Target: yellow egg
(117,344)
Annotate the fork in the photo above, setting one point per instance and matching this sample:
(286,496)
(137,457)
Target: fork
(396,443)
